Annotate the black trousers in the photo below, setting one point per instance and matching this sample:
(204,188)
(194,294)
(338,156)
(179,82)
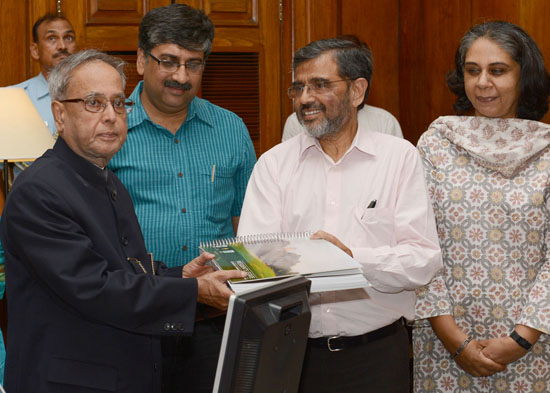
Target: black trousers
(379,366)
(189,363)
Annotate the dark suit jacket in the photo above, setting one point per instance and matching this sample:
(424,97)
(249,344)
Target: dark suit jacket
(86,305)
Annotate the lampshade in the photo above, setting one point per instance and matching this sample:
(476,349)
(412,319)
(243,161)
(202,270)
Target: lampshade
(23,134)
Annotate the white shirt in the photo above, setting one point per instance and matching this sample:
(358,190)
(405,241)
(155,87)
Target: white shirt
(369,118)
(295,186)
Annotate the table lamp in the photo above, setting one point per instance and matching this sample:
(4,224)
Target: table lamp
(23,134)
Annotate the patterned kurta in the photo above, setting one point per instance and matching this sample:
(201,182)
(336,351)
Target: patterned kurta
(488,181)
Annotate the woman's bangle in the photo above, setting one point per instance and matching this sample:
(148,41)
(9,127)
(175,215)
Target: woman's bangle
(462,347)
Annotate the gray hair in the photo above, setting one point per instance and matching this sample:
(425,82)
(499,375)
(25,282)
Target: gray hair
(61,75)
(177,24)
(352,56)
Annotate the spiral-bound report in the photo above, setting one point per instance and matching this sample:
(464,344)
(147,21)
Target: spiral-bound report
(267,257)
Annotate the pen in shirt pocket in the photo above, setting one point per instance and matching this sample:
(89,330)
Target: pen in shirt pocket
(371,205)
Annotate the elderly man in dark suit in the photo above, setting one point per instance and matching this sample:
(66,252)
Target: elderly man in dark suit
(87,303)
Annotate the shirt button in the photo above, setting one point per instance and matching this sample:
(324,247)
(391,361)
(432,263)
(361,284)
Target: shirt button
(124,240)
(176,141)
(184,248)
(184,210)
(114,195)
(180,174)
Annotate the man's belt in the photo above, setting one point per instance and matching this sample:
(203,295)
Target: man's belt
(339,343)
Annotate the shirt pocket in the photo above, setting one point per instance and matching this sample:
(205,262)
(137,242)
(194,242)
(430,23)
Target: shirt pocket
(375,227)
(217,191)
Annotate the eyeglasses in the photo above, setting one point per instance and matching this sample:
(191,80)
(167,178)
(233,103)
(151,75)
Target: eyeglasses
(316,87)
(169,66)
(98,103)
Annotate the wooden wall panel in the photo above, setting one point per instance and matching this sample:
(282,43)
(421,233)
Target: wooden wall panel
(233,12)
(430,32)
(379,28)
(270,75)
(315,19)
(485,10)
(534,16)
(14,42)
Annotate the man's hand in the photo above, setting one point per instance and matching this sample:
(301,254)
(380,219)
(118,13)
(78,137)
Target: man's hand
(473,361)
(212,288)
(197,267)
(333,239)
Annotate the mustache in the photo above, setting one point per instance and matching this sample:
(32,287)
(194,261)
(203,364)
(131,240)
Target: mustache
(320,106)
(175,84)
(61,52)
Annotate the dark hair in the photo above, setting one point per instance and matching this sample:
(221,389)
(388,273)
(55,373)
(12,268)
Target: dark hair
(49,17)
(352,56)
(176,24)
(534,79)
(61,75)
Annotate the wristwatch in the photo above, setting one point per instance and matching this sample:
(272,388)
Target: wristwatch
(521,341)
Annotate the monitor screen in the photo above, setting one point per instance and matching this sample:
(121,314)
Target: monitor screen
(264,339)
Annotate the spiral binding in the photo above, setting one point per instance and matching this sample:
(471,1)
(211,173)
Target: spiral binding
(257,238)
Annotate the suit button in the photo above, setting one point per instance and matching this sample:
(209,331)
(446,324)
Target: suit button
(124,240)
(114,195)
(174,326)
(167,326)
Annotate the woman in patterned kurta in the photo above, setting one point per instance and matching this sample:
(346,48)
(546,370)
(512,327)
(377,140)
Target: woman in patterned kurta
(488,178)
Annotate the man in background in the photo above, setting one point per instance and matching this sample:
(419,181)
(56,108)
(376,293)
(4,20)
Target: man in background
(186,164)
(364,192)
(53,40)
(369,117)
(88,303)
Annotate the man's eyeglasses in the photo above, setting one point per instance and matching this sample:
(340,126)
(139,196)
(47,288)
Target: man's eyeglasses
(316,87)
(169,66)
(98,103)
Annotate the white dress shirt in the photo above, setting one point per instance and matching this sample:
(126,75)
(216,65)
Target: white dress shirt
(370,118)
(295,186)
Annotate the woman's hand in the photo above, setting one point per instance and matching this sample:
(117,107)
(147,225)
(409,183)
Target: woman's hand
(473,361)
(503,350)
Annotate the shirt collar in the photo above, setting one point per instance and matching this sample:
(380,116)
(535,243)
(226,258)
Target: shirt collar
(138,114)
(363,142)
(41,88)
(80,165)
